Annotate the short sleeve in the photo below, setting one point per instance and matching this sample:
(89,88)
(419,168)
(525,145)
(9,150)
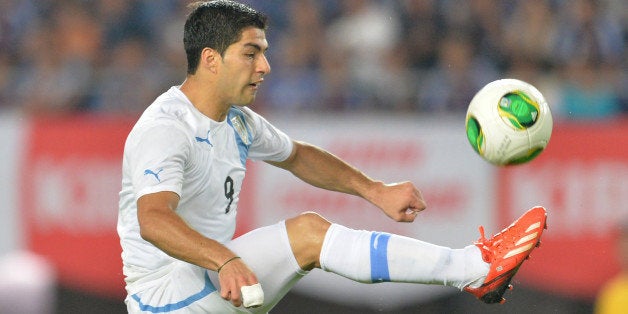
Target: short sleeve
(269,143)
(157,156)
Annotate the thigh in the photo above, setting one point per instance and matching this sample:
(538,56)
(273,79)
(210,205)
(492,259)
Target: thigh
(267,252)
(185,288)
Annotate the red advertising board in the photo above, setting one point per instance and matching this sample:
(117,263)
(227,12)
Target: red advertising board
(581,180)
(71,176)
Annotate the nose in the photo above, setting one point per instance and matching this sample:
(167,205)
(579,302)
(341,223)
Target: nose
(264,65)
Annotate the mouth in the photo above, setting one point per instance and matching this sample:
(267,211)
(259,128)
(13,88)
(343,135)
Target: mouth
(256,85)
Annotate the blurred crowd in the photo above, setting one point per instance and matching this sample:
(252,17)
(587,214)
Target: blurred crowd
(417,56)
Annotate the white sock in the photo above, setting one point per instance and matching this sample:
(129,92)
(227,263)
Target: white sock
(371,257)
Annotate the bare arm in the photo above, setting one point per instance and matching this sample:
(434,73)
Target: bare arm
(400,201)
(162,227)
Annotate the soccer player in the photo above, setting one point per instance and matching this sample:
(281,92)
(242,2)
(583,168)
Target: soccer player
(183,166)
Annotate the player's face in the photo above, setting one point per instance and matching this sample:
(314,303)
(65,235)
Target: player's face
(244,66)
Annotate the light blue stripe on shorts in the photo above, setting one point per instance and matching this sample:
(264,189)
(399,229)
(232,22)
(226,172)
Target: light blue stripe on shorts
(209,288)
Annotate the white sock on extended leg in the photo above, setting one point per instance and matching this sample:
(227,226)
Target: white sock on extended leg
(476,268)
(370,257)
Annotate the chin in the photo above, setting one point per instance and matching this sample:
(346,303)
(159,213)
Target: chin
(247,102)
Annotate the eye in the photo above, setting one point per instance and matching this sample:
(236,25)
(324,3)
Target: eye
(250,56)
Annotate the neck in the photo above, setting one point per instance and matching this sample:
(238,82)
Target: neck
(203,97)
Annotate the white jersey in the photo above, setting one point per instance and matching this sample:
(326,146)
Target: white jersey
(174,147)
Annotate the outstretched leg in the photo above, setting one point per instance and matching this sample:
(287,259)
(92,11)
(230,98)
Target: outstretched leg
(370,257)
(483,269)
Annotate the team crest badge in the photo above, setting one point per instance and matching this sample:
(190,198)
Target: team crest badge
(240,128)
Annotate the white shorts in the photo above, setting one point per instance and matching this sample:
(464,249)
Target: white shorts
(181,287)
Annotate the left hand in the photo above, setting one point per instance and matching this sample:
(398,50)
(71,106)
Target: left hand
(399,201)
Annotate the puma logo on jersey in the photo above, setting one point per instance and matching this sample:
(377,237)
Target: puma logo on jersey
(155,174)
(204,140)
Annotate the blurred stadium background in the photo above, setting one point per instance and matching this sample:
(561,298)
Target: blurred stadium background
(384,84)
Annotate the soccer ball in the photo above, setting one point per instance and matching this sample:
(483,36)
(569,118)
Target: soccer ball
(508,122)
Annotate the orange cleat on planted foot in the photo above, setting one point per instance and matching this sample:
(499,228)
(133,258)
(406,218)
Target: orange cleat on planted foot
(506,251)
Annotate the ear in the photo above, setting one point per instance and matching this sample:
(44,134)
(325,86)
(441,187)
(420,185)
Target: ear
(209,59)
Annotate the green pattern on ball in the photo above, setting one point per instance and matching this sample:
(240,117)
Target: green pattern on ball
(533,153)
(475,134)
(518,109)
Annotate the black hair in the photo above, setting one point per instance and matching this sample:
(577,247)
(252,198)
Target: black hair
(216,24)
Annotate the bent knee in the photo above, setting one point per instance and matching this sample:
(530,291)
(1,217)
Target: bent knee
(310,223)
(306,233)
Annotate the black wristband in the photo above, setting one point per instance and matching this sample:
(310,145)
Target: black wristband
(225,263)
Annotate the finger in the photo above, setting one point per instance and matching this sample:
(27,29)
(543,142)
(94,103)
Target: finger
(411,212)
(225,294)
(252,296)
(236,298)
(407,216)
(418,206)
(229,295)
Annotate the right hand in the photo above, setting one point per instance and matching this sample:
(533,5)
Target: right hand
(233,276)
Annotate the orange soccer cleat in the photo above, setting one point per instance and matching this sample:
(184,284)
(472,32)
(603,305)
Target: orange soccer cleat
(506,251)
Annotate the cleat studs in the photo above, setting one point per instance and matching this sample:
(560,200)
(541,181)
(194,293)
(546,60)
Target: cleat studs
(538,244)
(510,287)
(502,301)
